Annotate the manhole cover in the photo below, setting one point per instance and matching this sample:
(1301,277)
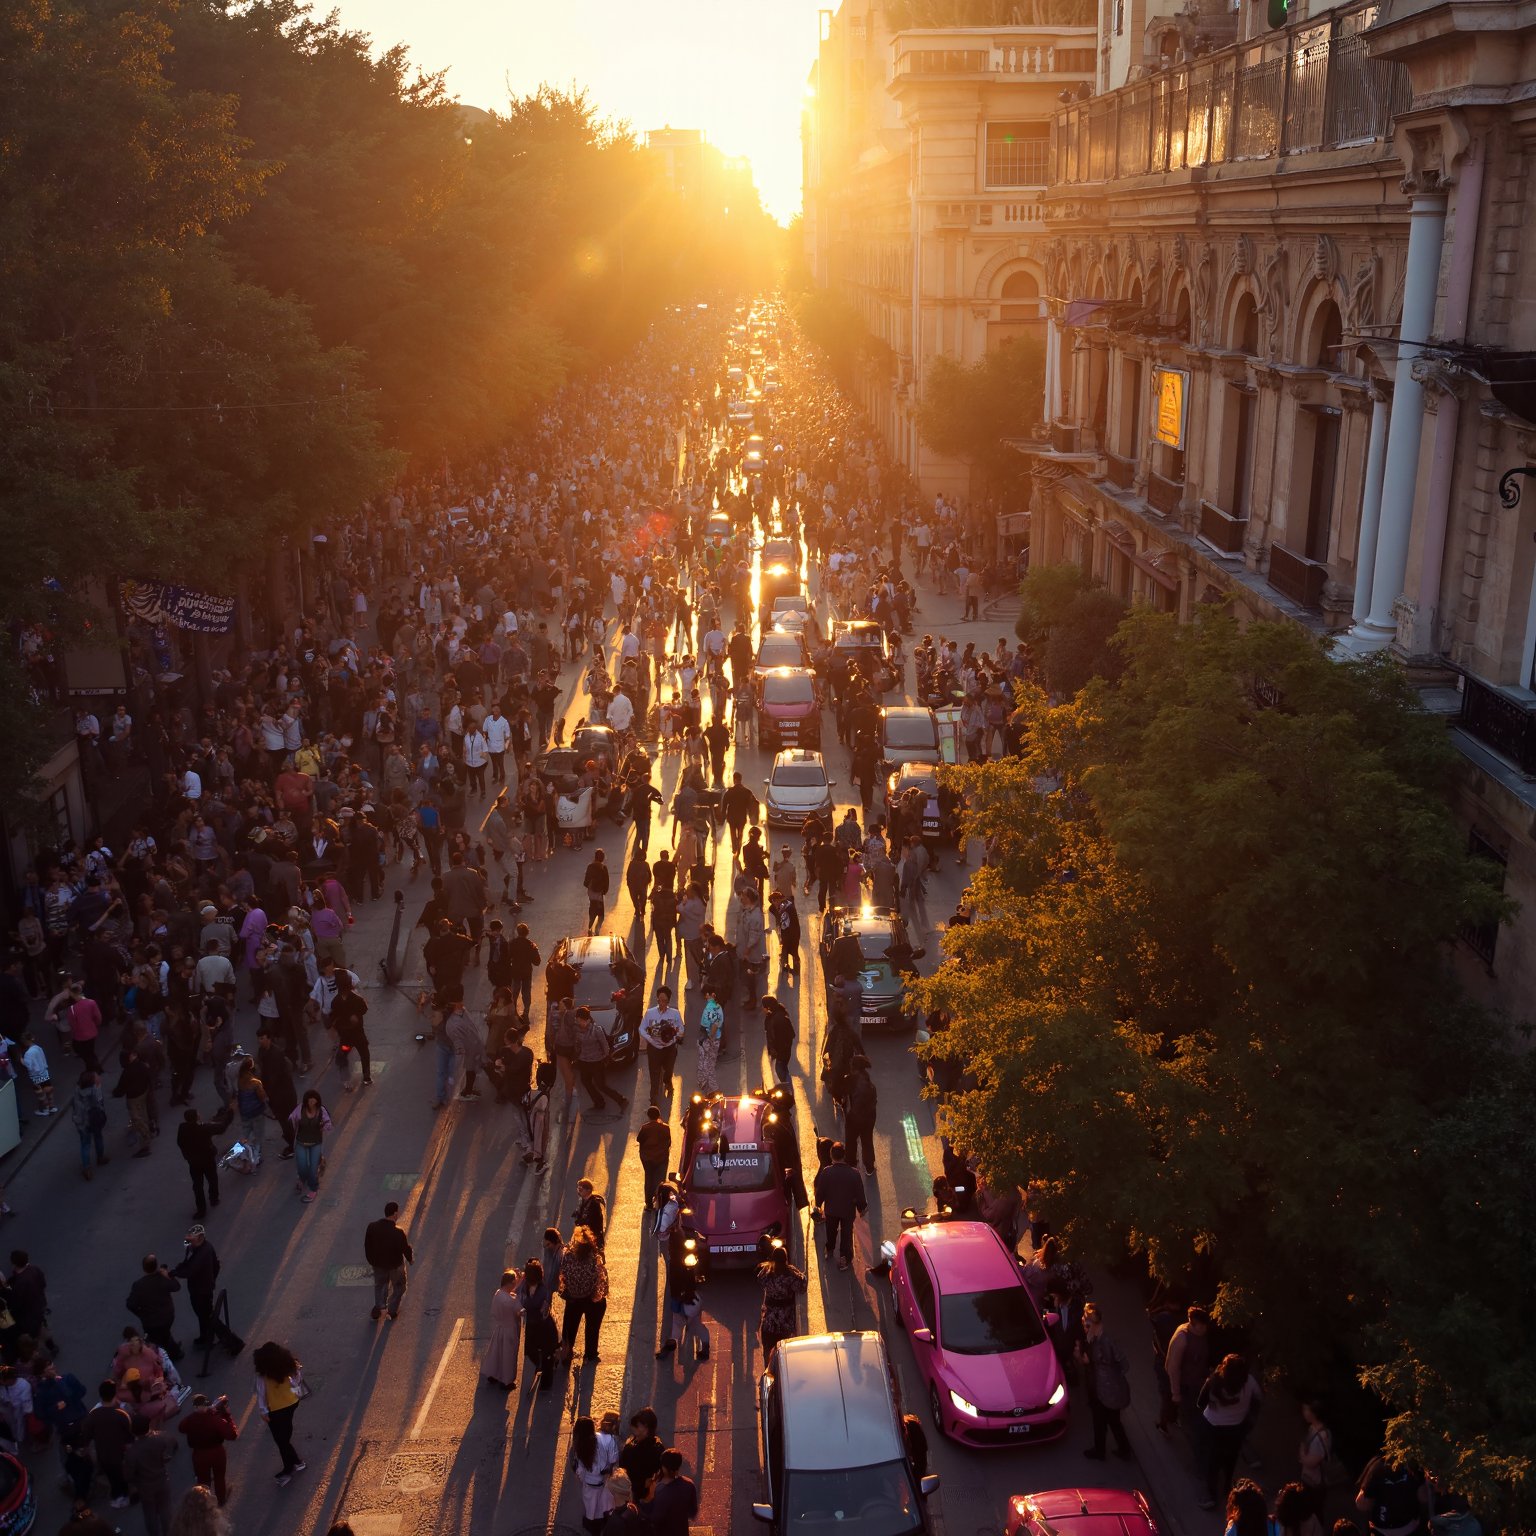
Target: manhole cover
(415,1471)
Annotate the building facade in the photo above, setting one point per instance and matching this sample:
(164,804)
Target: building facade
(1289,312)
(927,153)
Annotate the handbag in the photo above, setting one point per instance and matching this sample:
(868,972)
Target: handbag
(302,1388)
(96,1118)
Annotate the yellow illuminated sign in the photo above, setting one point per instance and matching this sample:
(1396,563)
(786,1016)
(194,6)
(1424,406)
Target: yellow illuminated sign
(1171,386)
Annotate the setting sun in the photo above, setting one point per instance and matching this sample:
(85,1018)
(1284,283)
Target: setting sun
(733,69)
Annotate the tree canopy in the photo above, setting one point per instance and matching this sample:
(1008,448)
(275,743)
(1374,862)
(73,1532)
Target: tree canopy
(1208,1008)
(254,268)
(968,410)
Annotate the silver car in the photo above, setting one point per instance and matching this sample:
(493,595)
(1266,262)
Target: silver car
(798,788)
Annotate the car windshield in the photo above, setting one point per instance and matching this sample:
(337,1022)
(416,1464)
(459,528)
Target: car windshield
(779,651)
(861,1501)
(800,776)
(989,1322)
(877,978)
(788,690)
(744,1166)
(909,731)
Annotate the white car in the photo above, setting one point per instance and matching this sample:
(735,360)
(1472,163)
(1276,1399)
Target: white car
(798,788)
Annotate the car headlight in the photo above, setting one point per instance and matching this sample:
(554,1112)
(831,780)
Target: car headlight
(963,1405)
(1059,1394)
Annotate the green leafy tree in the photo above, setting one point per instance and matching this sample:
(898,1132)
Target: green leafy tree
(1069,621)
(1207,1001)
(968,410)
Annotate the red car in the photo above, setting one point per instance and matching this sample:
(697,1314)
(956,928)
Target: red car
(733,1190)
(979,1340)
(788,709)
(1080,1512)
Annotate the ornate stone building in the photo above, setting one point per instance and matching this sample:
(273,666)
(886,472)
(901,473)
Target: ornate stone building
(1290,312)
(926,157)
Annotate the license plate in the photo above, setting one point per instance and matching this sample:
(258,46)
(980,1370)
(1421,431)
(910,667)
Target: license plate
(734,1248)
(1019,1429)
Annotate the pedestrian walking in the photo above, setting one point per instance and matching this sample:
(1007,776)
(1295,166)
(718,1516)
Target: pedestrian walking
(1107,1373)
(276,1075)
(109,1429)
(654,1139)
(499,1364)
(279,1389)
(782,1286)
(311,1123)
(88,1111)
(711,1028)
(540,1336)
(584,1285)
(596,883)
(661,1029)
(1227,1402)
(684,1309)
(467,1035)
(194,1140)
(838,1194)
(591,1211)
(779,1036)
(388,1252)
(664,920)
(152,1299)
(592,1052)
(199,1267)
(859,1117)
(674,1502)
(594,1455)
(785,918)
(147,1469)
(349,1009)
(35,1060)
(132,1088)
(251,1106)
(209,1428)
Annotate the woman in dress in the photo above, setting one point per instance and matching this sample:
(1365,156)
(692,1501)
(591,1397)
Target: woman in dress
(279,1378)
(500,1363)
(782,1285)
(593,1457)
(311,1121)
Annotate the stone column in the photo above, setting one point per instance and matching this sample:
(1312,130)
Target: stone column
(1426,236)
(1370,504)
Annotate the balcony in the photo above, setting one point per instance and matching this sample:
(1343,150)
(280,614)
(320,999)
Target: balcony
(1122,472)
(1064,436)
(1296,577)
(1499,722)
(1312,87)
(1164,495)
(1222,530)
(984,53)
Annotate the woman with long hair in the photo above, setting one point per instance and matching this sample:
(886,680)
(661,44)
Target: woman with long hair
(278,1386)
(199,1514)
(311,1121)
(584,1285)
(593,1456)
(782,1286)
(540,1339)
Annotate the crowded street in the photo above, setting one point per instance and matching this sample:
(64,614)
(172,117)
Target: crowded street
(400,1429)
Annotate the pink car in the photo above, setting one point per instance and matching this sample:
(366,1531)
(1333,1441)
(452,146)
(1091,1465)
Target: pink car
(1080,1512)
(992,1373)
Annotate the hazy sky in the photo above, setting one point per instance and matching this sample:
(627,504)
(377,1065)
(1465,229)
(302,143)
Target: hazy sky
(735,68)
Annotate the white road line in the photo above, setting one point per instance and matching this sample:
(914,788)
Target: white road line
(437,1379)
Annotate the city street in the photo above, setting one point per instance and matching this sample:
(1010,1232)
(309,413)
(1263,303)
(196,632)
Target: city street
(401,1434)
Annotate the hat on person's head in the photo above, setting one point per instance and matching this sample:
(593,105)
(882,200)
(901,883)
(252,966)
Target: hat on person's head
(207,908)
(197,1229)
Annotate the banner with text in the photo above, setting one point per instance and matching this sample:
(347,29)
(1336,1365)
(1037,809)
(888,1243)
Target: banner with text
(157,602)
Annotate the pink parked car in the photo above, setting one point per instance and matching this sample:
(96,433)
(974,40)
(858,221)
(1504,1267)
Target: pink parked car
(992,1373)
(1080,1512)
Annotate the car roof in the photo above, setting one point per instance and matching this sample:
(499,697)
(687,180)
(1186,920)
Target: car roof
(927,773)
(792,755)
(838,1411)
(906,712)
(601,947)
(784,636)
(965,1255)
(1088,1511)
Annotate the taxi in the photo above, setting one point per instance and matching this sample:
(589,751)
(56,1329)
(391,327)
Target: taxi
(732,1178)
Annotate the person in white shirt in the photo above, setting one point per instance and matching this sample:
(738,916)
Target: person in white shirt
(498,737)
(477,753)
(621,713)
(191,785)
(661,1029)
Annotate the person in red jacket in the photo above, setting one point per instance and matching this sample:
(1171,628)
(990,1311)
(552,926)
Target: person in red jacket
(208,1428)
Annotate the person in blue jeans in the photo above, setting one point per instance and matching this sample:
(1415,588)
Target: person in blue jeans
(311,1121)
(88,1109)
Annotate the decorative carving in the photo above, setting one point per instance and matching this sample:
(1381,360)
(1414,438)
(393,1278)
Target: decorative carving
(1272,286)
(1360,307)
(1325,258)
(1205,284)
(1426,162)
(1242,255)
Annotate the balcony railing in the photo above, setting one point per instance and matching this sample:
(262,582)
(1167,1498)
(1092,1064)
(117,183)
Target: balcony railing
(1122,472)
(1500,722)
(1163,494)
(1047,51)
(1309,88)
(1222,529)
(1296,577)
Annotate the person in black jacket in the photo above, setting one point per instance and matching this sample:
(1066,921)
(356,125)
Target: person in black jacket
(151,1299)
(277,1078)
(200,1269)
(388,1250)
(194,1139)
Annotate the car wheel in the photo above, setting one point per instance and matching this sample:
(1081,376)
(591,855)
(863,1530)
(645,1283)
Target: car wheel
(935,1407)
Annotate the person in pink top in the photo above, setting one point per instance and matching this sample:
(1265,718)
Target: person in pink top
(336,897)
(83,1018)
(326,925)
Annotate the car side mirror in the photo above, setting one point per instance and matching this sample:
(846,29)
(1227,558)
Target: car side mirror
(831,783)
(1051,1319)
(922,1335)
(762,1512)
(928,1484)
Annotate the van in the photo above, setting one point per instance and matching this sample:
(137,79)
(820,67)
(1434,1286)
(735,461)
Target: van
(834,1458)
